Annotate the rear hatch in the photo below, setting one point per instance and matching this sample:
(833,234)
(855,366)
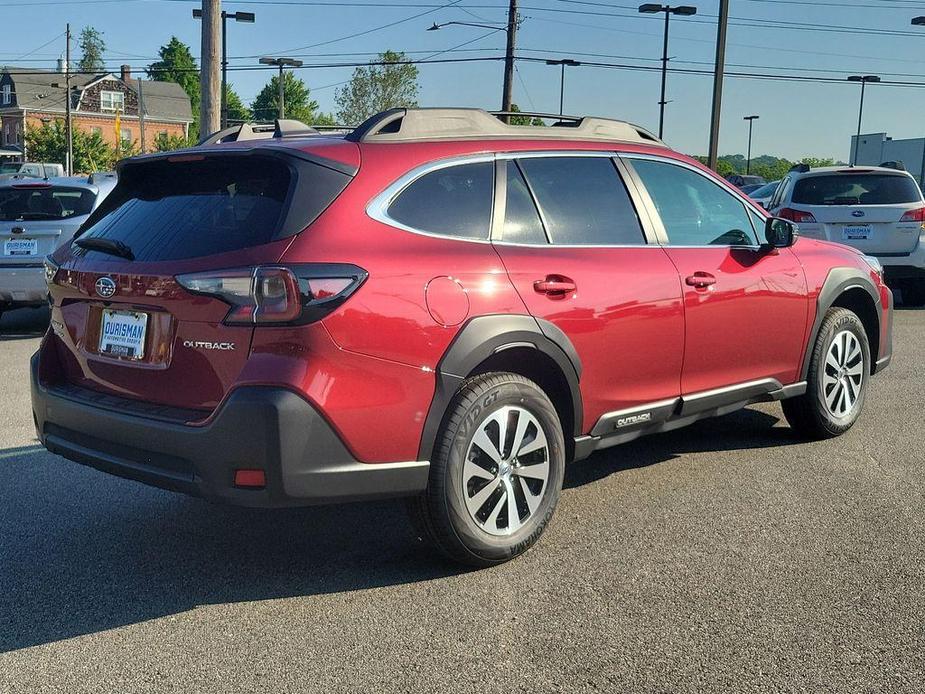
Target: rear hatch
(36,217)
(878,213)
(127,326)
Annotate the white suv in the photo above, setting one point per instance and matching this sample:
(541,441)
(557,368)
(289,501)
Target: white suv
(878,210)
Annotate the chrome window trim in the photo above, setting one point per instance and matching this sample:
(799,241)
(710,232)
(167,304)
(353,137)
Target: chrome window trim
(748,205)
(378,207)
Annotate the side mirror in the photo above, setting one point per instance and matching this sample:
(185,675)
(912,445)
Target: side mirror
(779,233)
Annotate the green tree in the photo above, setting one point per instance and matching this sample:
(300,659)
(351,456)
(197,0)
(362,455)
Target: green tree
(296,95)
(237,110)
(49,143)
(524,120)
(92,47)
(388,82)
(167,143)
(178,65)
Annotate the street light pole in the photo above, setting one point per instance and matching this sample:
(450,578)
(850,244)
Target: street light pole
(718,72)
(652,8)
(863,79)
(281,63)
(247,17)
(748,161)
(513,21)
(562,63)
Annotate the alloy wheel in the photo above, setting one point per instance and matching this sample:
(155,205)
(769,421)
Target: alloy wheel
(506,470)
(843,374)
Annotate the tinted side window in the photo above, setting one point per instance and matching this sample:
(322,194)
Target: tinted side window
(583,201)
(455,201)
(694,210)
(522,222)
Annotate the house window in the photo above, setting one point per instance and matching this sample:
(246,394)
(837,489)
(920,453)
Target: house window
(125,134)
(7,94)
(112,101)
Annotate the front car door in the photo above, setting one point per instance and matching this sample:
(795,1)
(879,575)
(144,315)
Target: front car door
(581,259)
(745,307)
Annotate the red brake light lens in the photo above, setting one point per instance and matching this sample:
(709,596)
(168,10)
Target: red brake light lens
(916,215)
(796,216)
(262,295)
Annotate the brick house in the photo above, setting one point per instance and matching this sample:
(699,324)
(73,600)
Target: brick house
(30,97)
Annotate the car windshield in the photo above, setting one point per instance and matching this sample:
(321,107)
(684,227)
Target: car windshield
(9,168)
(49,202)
(856,189)
(765,191)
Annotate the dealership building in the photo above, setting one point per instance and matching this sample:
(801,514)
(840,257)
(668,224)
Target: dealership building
(876,148)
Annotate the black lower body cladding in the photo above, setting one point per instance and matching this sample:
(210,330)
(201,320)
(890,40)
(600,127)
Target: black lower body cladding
(267,428)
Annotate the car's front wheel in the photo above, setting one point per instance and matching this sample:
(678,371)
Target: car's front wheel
(839,371)
(496,472)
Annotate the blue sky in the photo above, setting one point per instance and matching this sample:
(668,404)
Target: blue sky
(797,118)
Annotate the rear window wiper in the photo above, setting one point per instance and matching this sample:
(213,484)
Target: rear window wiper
(96,243)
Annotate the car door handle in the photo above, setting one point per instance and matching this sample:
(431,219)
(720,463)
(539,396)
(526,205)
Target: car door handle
(555,285)
(700,280)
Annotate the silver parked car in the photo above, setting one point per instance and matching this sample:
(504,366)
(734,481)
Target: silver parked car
(37,216)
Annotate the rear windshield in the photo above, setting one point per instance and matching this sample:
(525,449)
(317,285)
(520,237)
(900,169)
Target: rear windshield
(166,210)
(856,189)
(45,203)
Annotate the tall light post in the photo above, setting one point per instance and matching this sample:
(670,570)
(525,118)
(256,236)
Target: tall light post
(563,63)
(863,79)
(281,63)
(513,21)
(684,11)
(748,161)
(247,17)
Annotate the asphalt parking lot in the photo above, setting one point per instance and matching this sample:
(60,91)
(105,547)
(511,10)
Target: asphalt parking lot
(727,556)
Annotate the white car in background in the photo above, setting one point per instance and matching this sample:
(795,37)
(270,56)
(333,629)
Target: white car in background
(878,210)
(37,216)
(763,194)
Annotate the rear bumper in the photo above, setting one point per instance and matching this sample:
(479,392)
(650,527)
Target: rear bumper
(23,285)
(266,428)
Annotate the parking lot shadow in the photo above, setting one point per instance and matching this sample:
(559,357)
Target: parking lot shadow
(23,323)
(82,552)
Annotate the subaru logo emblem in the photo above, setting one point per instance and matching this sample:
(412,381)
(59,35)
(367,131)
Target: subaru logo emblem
(105,287)
(857,213)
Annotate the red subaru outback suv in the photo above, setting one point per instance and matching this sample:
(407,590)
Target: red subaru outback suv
(437,305)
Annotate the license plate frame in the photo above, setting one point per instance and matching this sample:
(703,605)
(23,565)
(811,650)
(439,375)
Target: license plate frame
(31,248)
(857,232)
(126,343)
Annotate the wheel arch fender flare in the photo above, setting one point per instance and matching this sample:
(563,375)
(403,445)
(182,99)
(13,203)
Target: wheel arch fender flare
(839,281)
(485,336)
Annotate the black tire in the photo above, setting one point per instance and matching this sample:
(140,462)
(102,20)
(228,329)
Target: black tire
(441,514)
(809,414)
(913,293)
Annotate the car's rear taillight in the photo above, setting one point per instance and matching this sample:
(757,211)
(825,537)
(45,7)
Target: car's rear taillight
(796,216)
(916,215)
(278,294)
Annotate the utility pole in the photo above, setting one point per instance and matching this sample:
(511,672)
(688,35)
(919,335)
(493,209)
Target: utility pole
(210,82)
(508,89)
(238,17)
(718,82)
(69,166)
(141,114)
(748,161)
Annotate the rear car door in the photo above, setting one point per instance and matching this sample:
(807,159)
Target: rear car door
(581,259)
(745,307)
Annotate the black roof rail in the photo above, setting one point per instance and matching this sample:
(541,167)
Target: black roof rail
(416,124)
(800,168)
(280,128)
(898,165)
